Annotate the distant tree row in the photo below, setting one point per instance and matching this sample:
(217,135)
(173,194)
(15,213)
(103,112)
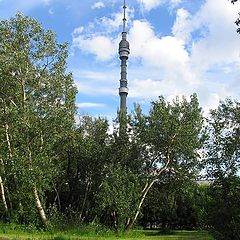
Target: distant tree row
(53,170)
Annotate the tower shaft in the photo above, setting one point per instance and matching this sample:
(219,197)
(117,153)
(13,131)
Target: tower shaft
(123,90)
(123,55)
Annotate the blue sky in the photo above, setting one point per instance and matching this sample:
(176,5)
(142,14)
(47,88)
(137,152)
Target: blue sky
(178,47)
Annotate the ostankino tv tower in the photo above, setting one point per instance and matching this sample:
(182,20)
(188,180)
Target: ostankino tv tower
(123,55)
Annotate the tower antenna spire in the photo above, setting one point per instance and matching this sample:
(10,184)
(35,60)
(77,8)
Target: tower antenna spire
(124,16)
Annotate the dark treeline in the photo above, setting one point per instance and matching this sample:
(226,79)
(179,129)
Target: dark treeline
(54,171)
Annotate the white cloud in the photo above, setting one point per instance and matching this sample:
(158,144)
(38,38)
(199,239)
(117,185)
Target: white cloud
(146,88)
(96,75)
(96,38)
(77,31)
(94,89)
(182,26)
(150,4)
(220,45)
(199,44)
(101,46)
(95,83)
(90,105)
(98,5)
(161,52)
(211,29)
(114,22)
(176,64)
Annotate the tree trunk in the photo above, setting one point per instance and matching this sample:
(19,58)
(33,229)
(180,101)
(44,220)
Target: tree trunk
(145,191)
(10,152)
(114,218)
(57,198)
(8,140)
(40,209)
(84,200)
(3,195)
(143,196)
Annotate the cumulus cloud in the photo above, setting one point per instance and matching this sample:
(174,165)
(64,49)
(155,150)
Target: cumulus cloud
(94,89)
(97,38)
(114,22)
(95,83)
(221,43)
(101,46)
(184,60)
(150,4)
(77,31)
(98,5)
(166,55)
(149,88)
(182,26)
(211,33)
(201,44)
(90,105)
(164,51)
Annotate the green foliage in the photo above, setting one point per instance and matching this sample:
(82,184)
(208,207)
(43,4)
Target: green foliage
(175,204)
(223,161)
(224,209)
(37,102)
(224,143)
(116,196)
(83,155)
(170,135)
(165,140)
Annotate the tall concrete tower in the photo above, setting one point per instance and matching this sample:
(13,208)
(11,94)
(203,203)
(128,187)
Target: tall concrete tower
(123,55)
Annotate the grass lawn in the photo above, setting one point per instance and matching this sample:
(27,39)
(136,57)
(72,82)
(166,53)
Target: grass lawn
(12,232)
(134,235)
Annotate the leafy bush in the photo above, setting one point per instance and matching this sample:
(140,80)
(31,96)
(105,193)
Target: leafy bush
(224,208)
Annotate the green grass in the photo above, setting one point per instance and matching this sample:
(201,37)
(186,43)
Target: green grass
(12,232)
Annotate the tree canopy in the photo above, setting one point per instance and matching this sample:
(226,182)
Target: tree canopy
(37,102)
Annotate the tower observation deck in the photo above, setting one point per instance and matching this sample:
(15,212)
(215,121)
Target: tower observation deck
(123,55)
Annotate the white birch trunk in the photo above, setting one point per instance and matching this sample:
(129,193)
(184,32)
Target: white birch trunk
(145,191)
(40,209)
(2,192)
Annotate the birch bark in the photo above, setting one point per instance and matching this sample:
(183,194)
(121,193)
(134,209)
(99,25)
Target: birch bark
(39,206)
(2,192)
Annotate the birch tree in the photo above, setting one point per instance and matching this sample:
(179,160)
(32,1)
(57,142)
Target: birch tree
(223,155)
(37,103)
(167,140)
(151,146)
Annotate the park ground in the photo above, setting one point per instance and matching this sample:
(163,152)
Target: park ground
(12,232)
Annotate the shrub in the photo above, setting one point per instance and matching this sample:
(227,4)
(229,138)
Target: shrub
(224,208)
